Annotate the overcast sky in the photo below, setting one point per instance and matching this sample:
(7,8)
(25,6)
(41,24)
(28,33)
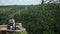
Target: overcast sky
(19,2)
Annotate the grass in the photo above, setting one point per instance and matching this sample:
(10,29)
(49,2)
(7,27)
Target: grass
(22,32)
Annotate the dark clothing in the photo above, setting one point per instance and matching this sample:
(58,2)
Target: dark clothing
(11,24)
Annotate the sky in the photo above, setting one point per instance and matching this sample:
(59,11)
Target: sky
(20,2)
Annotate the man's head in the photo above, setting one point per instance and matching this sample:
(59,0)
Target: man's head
(10,20)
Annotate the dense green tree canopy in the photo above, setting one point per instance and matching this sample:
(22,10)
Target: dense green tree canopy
(37,19)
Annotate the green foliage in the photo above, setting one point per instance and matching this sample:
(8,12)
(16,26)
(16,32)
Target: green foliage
(21,32)
(38,19)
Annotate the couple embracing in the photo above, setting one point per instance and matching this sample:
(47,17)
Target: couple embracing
(11,24)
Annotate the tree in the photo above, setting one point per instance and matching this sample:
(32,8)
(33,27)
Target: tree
(52,1)
(42,2)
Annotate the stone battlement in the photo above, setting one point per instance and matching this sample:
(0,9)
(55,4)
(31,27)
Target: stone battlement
(19,27)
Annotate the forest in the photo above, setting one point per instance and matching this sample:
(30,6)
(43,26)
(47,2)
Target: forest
(37,19)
